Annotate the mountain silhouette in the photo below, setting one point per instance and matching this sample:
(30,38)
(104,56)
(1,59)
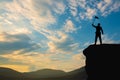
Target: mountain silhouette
(6,74)
(78,74)
(102,61)
(45,74)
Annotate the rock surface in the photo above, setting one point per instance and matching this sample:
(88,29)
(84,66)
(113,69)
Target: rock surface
(102,61)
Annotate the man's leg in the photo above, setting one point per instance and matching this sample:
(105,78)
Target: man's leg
(96,39)
(100,39)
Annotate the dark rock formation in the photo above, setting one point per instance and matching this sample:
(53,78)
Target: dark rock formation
(102,61)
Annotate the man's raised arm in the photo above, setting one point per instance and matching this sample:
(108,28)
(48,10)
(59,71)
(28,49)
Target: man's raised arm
(93,25)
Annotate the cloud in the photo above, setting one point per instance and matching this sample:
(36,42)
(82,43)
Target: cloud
(109,39)
(36,61)
(81,9)
(90,12)
(73,7)
(4,37)
(62,42)
(40,20)
(69,27)
(58,6)
(86,44)
(103,5)
(6,0)
(10,43)
(20,68)
(108,6)
(85,9)
(18,10)
(80,58)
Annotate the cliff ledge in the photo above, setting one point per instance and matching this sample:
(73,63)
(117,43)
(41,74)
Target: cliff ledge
(102,61)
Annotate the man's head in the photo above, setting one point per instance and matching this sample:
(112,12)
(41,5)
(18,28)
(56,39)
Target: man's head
(98,24)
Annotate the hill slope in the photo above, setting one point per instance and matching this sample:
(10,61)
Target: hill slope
(46,74)
(6,73)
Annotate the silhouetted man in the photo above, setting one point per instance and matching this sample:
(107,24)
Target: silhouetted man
(98,32)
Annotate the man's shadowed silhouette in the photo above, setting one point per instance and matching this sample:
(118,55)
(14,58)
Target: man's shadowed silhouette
(98,32)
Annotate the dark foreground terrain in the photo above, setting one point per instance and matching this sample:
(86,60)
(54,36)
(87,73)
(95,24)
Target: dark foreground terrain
(102,61)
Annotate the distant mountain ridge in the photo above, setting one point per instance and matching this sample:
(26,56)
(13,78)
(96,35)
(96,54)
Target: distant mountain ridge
(46,74)
(7,73)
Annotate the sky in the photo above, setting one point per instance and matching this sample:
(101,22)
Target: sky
(40,34)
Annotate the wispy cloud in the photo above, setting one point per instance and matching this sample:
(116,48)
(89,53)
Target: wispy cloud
(40,61)
(69,26)
(57,6)
(91,8)
(10,43)
(20,68)
(73,7)
(109,39)
(108,6)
